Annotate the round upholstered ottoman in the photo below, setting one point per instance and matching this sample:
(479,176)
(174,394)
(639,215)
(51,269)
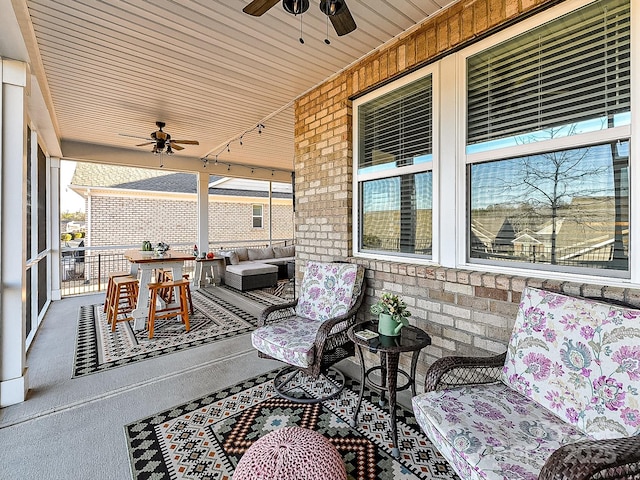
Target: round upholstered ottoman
(291,453)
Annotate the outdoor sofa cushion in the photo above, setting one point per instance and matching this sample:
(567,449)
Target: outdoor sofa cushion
(251,268)
(260,253)
(491,431)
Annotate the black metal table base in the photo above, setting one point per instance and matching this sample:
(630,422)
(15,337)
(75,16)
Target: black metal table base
(282,384)
(411,339)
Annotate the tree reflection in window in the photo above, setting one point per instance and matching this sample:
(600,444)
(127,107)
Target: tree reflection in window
(564,208)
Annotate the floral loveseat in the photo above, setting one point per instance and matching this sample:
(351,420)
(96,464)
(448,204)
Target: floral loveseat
(567,403)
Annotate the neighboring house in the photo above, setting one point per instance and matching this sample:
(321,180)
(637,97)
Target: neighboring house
(125,206)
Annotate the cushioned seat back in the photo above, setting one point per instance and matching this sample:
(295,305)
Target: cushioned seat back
(329,290)
(580,359)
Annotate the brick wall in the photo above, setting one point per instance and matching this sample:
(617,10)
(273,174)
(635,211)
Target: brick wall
(131,220)
(465,312)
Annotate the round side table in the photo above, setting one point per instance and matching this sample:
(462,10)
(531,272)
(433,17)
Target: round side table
(411,339)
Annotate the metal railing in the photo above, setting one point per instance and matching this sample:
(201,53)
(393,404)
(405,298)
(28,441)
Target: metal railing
(86,270)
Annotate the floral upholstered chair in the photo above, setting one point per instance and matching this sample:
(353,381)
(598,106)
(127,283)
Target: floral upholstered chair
(310,334)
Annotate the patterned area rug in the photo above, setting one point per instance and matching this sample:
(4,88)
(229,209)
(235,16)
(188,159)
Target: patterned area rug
(205,438)
(220,313)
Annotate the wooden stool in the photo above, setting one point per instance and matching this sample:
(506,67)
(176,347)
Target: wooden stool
(110,288)
(169,311)
(123,299)
(167,294)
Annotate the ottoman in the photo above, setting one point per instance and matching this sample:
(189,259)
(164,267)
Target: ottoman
(291,453)
(251,275)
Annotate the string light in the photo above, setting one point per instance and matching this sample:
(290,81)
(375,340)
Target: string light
(227,146)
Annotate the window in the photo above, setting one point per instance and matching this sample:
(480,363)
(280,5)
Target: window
(548,115)
(568,208)
(257,216)
(393,172)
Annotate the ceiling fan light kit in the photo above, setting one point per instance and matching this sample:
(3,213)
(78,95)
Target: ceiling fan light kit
(162,142)
(331,7)
(335,10)
(295,7)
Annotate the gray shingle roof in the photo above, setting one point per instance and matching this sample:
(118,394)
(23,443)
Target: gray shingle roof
(130,178)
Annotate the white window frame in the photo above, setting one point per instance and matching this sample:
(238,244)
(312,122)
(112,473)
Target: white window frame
(409,169)
(261,216)
(592,138)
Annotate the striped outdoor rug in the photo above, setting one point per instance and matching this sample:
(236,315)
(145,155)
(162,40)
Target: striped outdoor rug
(220,313)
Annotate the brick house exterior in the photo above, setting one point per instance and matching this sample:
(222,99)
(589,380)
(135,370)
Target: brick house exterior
(466,312)
(125,206)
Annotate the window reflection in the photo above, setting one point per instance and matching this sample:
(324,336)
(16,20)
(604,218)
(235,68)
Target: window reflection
(566,208)
(396,214)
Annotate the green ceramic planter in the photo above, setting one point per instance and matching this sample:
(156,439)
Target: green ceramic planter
(388,326)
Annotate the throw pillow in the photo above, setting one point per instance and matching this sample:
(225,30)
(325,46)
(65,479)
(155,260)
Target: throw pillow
(284,252)
(233,258)
(242,254)
(260,253)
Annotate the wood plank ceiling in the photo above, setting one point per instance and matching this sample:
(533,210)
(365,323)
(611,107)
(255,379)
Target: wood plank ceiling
(208,70)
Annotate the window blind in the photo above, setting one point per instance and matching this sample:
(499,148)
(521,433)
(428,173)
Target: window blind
(573,69)
(396,128)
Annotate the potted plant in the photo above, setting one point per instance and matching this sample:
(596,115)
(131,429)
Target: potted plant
(392,314)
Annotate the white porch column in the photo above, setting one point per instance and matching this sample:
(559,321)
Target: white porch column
(54,222)
(203,211)
(13,163)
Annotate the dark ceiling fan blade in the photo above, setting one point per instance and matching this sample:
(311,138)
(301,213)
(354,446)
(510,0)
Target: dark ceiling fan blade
(143,144)
(343,22)
(175,146)
(186,142)
(259,7)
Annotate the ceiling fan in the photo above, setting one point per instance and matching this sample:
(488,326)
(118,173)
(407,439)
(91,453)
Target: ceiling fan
(336,10)
(162,141)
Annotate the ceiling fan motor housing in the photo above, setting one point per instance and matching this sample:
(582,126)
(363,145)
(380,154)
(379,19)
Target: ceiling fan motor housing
(295,7)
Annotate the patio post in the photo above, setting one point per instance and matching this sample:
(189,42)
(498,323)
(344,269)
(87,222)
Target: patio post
(13,217)
(203,211)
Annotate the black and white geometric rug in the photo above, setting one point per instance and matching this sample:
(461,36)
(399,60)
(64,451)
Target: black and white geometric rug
(219,313)
(206,437)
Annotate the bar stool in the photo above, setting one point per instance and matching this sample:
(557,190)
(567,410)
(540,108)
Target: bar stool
(110,288)
(169,311)
(167,294)
(123,300)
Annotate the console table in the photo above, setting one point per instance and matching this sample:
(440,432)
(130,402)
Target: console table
(411,339)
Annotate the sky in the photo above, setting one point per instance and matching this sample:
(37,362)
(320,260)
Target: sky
(70,201)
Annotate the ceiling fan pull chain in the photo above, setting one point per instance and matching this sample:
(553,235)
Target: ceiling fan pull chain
(301,39)
(326,40)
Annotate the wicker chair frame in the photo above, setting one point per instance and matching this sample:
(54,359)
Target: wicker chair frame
(589,460)
(331,345)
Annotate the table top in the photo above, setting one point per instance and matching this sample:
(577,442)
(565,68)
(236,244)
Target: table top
(214,259)
(138,256)
(410,339)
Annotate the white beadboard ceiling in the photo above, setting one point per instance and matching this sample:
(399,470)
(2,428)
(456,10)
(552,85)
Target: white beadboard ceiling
(208,70)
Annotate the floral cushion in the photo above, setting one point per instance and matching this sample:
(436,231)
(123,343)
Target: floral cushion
(492,432)
(327,290)
(580,359)
(291,340)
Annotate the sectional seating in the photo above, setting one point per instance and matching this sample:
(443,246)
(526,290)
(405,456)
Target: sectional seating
(251,268)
